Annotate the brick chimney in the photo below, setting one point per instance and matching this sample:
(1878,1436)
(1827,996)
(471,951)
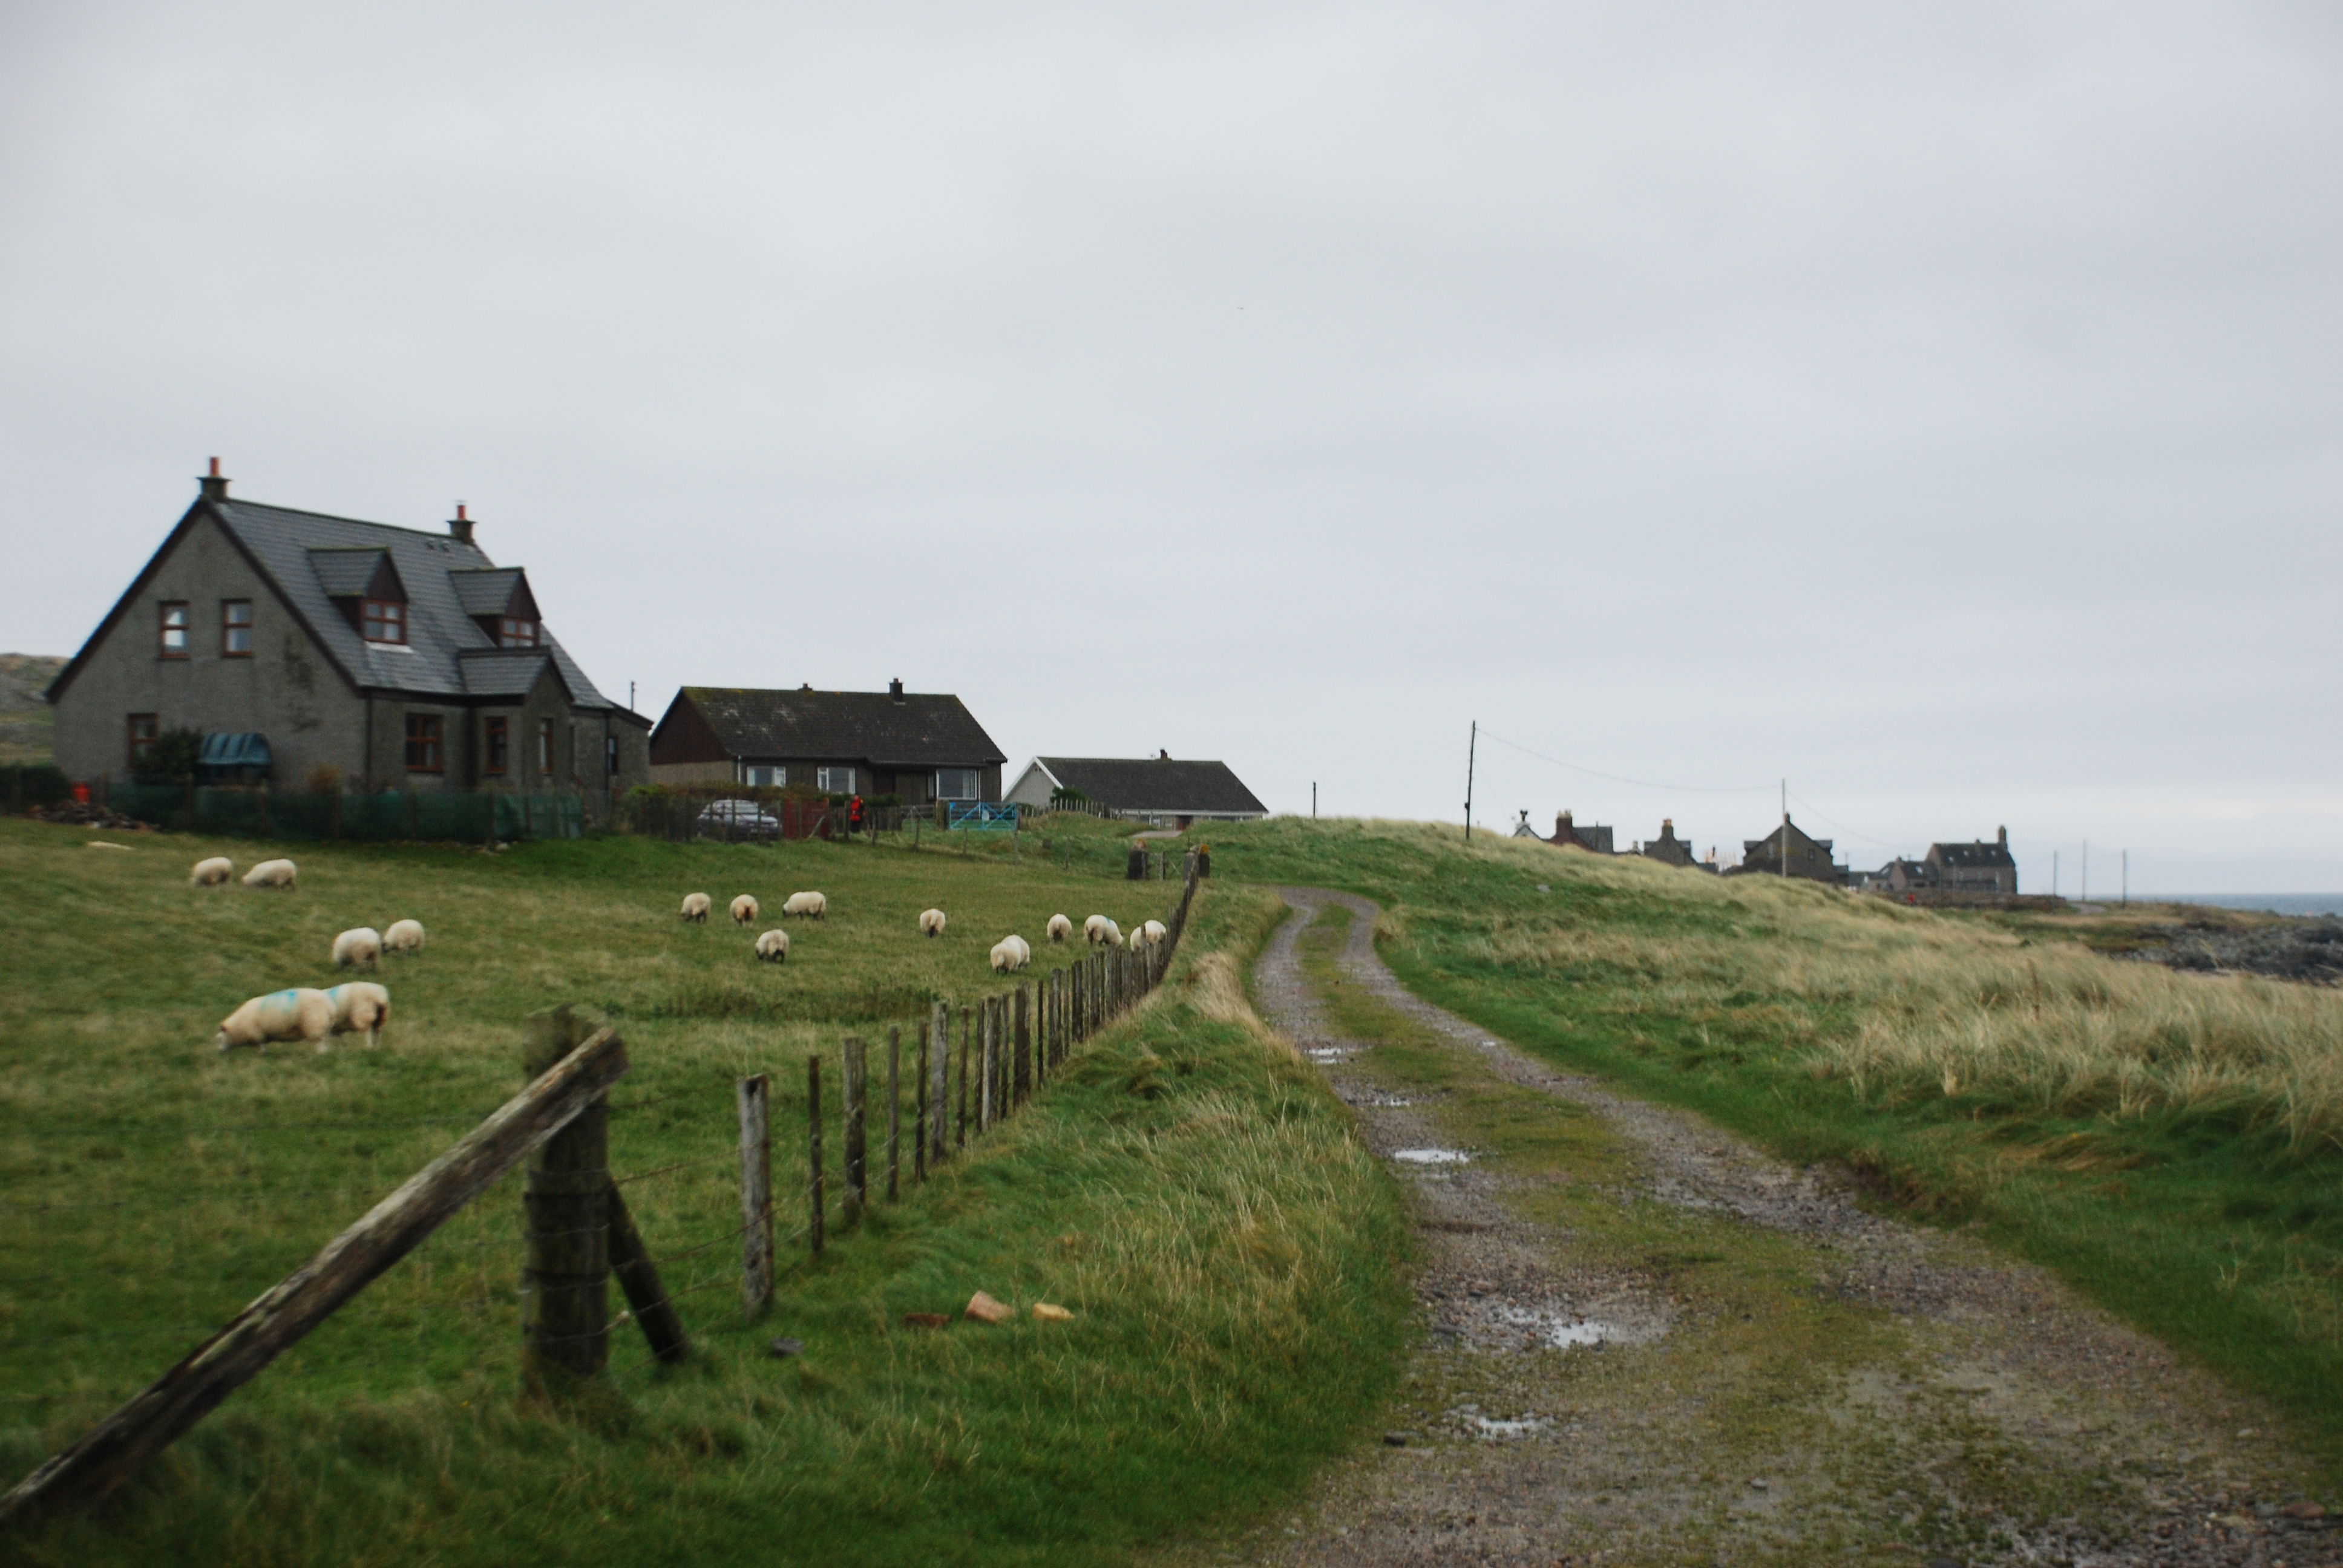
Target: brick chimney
(2001,837)
(895,690)
(459,527)
(215,484)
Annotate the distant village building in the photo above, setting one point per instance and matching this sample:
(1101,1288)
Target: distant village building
(922,747)
(1976,869)
(1667,849)
(307,647)
(1568,833)
(1808,857)
(1159,789)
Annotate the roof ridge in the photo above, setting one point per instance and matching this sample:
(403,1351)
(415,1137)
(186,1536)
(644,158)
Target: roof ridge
(338,517)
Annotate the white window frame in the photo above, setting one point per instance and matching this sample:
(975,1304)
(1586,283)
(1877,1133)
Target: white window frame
(759,777)
(975,777)
(828,780)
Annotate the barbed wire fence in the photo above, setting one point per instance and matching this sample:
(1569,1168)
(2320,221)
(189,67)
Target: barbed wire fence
(448,1271)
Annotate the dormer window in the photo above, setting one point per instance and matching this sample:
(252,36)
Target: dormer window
(383,620)
(514,632)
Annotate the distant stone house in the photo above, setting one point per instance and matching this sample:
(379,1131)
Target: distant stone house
(1159,790)
(298,643)
(1570,833)
(923,746)
(1808,857)
(1976,869)
(1667,849)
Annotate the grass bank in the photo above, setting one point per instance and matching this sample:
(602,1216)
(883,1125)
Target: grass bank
(1186,1187)
(2170,1143)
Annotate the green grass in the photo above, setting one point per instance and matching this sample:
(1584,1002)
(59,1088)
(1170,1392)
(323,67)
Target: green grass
(1185,1186)
(2209,1219)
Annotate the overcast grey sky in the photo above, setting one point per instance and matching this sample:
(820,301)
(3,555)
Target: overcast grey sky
(1936,405)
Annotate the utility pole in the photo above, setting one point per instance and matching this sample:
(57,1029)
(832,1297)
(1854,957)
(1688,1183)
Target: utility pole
(1786,826)
(1471,751)
(2126,878)
(2054,873)
(2086,894)
(1313,800)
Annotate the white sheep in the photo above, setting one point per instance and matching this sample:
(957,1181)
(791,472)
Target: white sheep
(1010,952)
(1152,932)
(1061,928)
(773,947)
(403,937)
(215,872)
(744,910)
(299,1014)
(931,922)
(360,945)
(1101,932)
(361,1007)
(695,907)
(812,905)
(271,874)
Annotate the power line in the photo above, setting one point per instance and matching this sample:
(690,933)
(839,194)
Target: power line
(1639,783)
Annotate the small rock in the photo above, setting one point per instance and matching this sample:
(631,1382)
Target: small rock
(985,1310)
(1394,1440)
(783,1348)
(927,1320)
(2305,1510)
(1758,1482)
(1051,1312)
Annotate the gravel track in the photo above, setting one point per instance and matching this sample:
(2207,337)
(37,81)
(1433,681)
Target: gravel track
(1993,1417)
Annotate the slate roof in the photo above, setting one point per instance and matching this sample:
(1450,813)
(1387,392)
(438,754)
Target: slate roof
(501,671)
(312,556)
(1977,857)
(925,729)
(1159,784)
(485,591)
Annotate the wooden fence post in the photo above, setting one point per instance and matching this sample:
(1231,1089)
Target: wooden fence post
(919,1122)
(965,1026)
(857,1150)
(566,1247)
(756,1194)
(813,1150)
(1023,1089)
(985,1067)
(940,1083)
(894,1110)
(631,1261)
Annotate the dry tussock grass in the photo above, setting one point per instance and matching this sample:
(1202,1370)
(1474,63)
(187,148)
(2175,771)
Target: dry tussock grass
(1907,1002)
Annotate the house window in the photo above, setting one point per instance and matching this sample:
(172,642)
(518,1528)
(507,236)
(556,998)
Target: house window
(834,780)
(768,777)
(956,784)
(144,729)
(236,628)
(545,746)
(497,735)
(175,628)
(611,755)
(383,620)
(424,753)
(513,633)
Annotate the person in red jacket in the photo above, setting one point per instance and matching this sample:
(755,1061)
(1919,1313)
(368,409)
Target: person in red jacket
(854,815)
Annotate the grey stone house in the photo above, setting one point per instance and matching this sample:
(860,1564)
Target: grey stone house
(1667,849)
(1569,831)
(923,746)
(1808,857)
(1970,869)
(298,643)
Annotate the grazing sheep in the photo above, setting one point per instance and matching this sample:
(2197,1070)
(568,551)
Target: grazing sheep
(360,1007)
(1061,928)
(773,947)
(931,922)
(1101,932)
(744,910)
(1149,935)
(215,872)
(362,945)
(1010,952)
(271,874)
(299,1014)
(695,907)
(812,905)
(404,937)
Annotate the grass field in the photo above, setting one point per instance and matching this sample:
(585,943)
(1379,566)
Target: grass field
(2173,1144)
(1186,1187)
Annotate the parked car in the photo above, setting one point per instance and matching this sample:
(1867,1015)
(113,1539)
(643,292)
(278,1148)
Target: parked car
(734,820)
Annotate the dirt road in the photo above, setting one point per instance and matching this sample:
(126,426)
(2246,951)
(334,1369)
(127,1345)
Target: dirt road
(1647,1342)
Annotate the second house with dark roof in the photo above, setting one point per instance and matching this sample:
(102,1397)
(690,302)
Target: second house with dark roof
(1159,789)
(309,648)
(923,746)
